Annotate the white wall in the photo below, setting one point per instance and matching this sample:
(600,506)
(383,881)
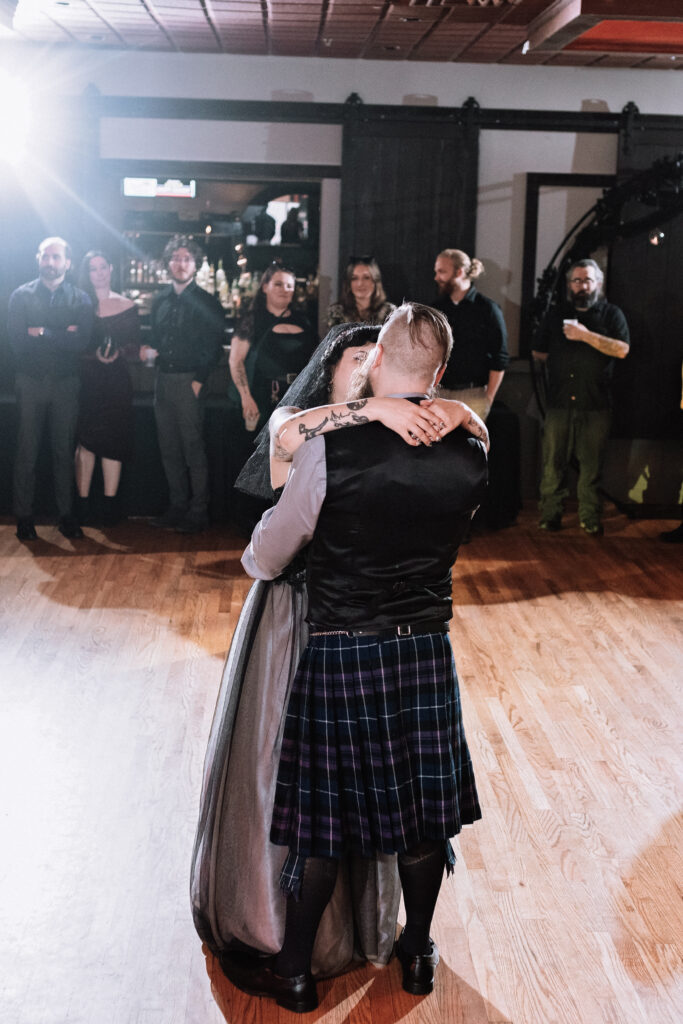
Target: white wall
(505,156)
(128,73)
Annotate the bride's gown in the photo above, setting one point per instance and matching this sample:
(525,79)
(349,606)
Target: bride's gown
(235,868)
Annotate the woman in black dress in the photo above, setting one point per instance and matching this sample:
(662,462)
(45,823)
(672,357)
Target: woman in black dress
(105,424)
(271,345)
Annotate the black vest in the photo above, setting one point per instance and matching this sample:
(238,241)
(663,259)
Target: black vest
(390,527)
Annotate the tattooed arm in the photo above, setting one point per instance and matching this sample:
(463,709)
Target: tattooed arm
(456,414)
(414,423)
(608,346)
(238,353)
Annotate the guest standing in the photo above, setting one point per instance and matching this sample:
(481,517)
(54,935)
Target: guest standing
(49,326)
(187,336)
(363,299)
(480,357)
(105,422)
(580,340)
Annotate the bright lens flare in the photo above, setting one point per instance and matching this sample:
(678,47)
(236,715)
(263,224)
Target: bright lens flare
(15,116)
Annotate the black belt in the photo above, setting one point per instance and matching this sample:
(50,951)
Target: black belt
(388,632)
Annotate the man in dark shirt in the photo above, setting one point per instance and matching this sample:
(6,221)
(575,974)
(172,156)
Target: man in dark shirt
(477,364)
(49,326)
(187,335)
(580,341)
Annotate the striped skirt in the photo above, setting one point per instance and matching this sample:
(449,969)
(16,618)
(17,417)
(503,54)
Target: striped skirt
(374,755)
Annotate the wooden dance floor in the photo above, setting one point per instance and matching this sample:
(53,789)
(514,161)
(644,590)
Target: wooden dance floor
(565,907)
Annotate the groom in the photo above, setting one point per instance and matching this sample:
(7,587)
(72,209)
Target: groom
(374,756)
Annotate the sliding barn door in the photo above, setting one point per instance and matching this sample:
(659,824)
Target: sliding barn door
(409,189)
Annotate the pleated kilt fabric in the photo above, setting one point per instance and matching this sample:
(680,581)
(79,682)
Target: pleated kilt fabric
(374,755)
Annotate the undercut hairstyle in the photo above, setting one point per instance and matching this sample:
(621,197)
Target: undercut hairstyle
(470,264)
(590,264)
(55,240)
(183,242)
(417,340)
(379,296)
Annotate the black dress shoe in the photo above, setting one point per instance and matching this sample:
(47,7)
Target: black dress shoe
(255,976)
(68,527)
(26,530)
(418,971)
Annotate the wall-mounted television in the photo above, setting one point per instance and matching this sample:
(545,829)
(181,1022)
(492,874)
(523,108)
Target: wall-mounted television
(156,188)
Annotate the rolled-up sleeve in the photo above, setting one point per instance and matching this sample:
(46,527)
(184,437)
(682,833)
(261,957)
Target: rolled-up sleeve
(288,527)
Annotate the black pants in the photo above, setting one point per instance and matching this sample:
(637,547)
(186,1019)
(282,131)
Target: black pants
(55,400)
(179,414)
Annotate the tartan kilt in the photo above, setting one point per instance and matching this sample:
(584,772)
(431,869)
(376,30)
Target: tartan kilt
(374,755)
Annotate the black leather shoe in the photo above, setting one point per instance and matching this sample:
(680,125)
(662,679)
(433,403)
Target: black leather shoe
(418,971)
(255,976)
(26,530)
(68,527)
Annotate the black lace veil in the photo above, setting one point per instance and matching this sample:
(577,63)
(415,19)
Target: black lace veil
(311,388)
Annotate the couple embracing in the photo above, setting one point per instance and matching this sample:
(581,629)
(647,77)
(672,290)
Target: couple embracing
(369,775)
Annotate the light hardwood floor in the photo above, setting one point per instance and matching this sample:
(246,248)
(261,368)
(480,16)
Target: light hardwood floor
(565,907)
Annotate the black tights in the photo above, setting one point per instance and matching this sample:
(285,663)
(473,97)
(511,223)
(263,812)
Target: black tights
(421,872)
(303,916)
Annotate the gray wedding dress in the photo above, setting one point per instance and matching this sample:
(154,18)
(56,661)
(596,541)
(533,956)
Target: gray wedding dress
(235,894)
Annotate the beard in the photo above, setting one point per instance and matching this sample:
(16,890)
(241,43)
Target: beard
(445,287)
(585,301)
(359,384)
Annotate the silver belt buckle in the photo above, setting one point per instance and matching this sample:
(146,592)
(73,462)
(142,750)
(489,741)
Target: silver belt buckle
(403,631)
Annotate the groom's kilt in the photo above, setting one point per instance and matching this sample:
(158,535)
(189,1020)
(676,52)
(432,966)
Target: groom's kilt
(374,755)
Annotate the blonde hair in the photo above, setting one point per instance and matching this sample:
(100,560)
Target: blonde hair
(470,264)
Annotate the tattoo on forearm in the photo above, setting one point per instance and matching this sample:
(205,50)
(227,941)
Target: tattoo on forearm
(476,428)
(608,346)
(335,421)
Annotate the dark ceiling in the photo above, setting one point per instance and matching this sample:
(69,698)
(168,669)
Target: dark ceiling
(476,31)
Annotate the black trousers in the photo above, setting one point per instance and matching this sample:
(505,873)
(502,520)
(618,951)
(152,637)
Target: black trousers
(41,399)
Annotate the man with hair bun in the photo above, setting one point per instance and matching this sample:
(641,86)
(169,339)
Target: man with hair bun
(479,358)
